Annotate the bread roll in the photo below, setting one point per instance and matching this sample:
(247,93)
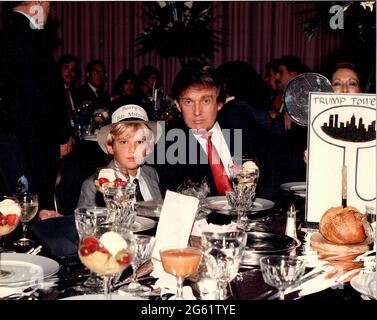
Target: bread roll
(343,225)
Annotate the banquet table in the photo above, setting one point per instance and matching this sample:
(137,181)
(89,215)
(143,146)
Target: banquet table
(250,286)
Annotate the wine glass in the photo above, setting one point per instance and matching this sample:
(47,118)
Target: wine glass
(282,272)
(10,214)
(244,174)
(29,208)
(182,263)
(106,249)
(119,199)
(84,221)
(222,256)
(143,250)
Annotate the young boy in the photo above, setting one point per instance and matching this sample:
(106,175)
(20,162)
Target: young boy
(129,139)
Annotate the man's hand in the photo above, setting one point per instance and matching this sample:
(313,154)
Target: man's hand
(47,214)
(66,148)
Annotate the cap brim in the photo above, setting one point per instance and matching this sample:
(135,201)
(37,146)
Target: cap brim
(105,130)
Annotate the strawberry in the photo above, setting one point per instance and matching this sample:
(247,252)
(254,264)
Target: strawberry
(91,243)
(85,251)
(12,219)
(119,180)
(123,257)
(101,181)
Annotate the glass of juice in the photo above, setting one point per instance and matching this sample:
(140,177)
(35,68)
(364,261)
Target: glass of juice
(182,263)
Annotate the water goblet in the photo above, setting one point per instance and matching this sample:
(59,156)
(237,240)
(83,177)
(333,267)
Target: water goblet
(107,249)
(282,272)
(84,221)
(29,208)
(244,174)
(10,214)
(222,256)
(182,263)
(143,250)
(120,199)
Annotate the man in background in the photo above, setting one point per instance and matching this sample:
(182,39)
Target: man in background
(34,119)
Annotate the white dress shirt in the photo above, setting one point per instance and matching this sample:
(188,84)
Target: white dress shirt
(33,23)
(143,186)
(93,88)
(218,141)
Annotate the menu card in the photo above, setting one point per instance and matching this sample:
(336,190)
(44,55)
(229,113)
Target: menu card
(176,220)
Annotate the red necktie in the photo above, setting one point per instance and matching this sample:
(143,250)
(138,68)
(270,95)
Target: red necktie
(217,168)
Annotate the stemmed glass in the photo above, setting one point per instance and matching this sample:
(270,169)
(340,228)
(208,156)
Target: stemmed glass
(143,250)
(282,272)
(29,208)
(10,213)
(106,249)
(222,256)
(182,263)
(244,174)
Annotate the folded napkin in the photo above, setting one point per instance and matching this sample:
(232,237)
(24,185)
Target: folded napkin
(176,220)
(324,280)
(201,226)
(6,291)
(168,282)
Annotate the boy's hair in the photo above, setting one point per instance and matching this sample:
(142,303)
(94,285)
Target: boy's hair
(120,127)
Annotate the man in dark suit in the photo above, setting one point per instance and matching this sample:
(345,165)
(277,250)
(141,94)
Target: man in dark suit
(197,96)
(34,119)
(92,92)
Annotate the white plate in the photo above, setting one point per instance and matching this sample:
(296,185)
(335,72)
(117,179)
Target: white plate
(294,186)
(90,137)
(220,205)
(26,268)
(142,224)
(300,194)
(102,297)
(361,284)
(151,209)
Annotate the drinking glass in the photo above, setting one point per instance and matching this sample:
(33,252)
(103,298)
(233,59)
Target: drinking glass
(10,213)
(120,199)
(106,249)
(29,208)
(222,255)
(84,220)
(143,250)
(182,263)
(244,174)
(282,272)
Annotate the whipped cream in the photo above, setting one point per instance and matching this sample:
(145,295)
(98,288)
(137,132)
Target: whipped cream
(107,173)
(113,242)
(8,206)
(250,166)
(111,174)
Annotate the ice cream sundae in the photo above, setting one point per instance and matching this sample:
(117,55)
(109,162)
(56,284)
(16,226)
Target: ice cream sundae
(10,213)
(107,255)
(107,175)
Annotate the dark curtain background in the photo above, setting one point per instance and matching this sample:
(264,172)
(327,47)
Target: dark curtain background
(255,32)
